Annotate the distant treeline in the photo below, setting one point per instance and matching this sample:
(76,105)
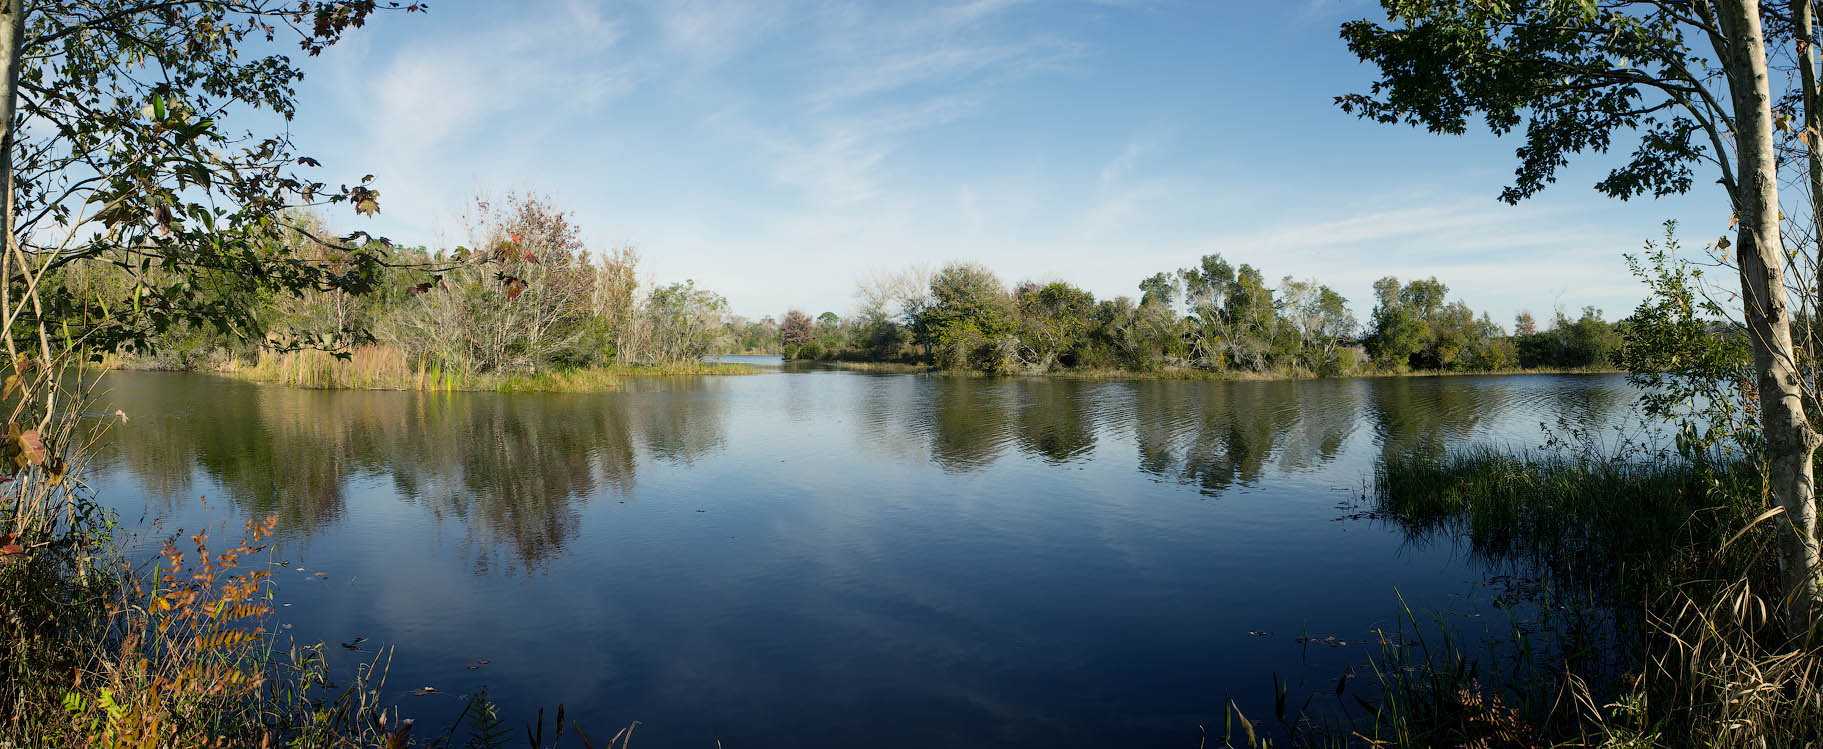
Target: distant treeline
(528,296)
(1212,317)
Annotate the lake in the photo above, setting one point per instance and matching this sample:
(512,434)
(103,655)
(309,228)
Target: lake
(825,558)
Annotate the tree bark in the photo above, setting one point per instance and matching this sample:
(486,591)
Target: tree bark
(1790,441)
(12,44)
(1803,23)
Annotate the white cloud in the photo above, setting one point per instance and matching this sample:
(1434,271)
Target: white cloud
(722,136)
(708,33)
(425,115)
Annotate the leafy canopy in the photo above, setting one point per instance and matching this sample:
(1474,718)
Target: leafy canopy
(1569,74)
(122,155)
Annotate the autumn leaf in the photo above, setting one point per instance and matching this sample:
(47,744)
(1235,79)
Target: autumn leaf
(9,545)
(31,447)
(366,201)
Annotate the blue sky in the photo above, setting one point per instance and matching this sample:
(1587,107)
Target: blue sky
(776,151)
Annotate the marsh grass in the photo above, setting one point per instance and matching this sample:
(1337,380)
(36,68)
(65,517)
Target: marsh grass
(1694,655)
(389,368)
(1640,527)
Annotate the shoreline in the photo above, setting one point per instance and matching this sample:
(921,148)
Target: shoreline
(588,380)
(606,379)
(1115,375)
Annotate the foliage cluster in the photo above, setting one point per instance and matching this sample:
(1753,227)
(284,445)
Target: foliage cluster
(1213,317)
(536,301)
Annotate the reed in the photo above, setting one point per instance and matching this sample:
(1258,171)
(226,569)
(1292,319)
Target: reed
(390,368)
(1703,661)
(1643,526)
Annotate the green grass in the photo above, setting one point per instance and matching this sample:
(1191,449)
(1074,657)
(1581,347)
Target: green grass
(1640,525)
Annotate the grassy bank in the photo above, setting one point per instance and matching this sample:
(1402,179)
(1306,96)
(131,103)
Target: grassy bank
(388,368)
(1677,551)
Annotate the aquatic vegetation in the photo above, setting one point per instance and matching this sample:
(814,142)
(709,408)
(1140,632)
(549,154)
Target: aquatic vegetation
(1679,550)
(1641,526)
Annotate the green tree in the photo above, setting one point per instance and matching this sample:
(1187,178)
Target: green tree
(1692,81)
(1253,321)
(1054,322)
(1321,319)
(1160,288)
(970,318)
(1688,368)
(1398,327)
(1208,288)
(115,156)
(111,128)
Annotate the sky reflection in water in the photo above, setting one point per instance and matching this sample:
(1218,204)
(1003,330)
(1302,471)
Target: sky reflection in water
(827,559)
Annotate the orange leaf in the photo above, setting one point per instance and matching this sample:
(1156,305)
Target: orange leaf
(32,446)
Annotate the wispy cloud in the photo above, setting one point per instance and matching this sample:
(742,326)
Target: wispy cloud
(1096,140)
(422,114)
(708,33)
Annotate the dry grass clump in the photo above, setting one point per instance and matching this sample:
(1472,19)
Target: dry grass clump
(390,368)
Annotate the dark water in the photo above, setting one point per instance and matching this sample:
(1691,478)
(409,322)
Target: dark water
(834,559)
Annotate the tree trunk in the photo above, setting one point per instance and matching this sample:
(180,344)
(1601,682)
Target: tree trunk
(12,42)
(1790,441)
(1803,20)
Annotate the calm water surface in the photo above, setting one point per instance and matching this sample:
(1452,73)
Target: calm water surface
(819,558)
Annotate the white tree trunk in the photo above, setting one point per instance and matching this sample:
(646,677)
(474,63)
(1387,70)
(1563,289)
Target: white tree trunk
(1790,441)
(12,43)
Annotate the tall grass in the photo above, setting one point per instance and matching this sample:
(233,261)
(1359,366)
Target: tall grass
(1675,549)
(1639,526)
(390,368)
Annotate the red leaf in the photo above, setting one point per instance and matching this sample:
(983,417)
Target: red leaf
(9,545)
